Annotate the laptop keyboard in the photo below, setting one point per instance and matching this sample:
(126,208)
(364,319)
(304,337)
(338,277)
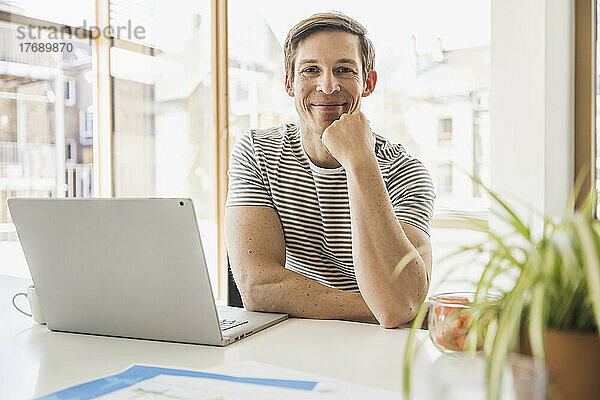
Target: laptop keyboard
(227,323)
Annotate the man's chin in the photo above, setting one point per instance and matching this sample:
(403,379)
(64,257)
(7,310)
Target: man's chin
(318,125)
(324,124)
(326,120)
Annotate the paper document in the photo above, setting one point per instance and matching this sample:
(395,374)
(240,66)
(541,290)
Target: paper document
(141,373)
(187,388)
(341,389)
(153,383)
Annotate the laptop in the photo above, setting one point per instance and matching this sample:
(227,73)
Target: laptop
(131,268)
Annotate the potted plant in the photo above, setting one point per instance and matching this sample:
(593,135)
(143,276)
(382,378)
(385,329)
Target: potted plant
(552,310)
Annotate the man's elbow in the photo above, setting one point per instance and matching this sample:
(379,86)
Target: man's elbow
(396,318)
(259,291)
(250,306)
(401,313)
(249,298)
(252,294)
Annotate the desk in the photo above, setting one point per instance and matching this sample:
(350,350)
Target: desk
(35,361)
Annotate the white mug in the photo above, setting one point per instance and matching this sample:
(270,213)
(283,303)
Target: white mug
(34,305)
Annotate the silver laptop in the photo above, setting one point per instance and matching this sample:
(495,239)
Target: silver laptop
(126,267)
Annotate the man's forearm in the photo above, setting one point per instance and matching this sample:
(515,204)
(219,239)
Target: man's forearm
(299,296)
(378,244)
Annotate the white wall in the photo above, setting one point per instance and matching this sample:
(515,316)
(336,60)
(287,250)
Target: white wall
(532,101)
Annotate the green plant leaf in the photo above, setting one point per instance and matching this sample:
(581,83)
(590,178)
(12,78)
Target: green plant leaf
(490,334)
(411,255)
(537,321)
(503,340)
(570,207)
(512,218)
(411,350)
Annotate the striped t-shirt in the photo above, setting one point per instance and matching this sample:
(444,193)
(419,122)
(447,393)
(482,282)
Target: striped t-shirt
(269,167)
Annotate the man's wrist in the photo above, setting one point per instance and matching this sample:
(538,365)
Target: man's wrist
(361,163)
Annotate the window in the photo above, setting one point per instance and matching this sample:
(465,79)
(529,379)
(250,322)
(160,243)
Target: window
(71,151)
(163,141)
(445,178)
(75,13)
(144,17)
(39,117)
(70,99)
(445,131)
(86,126)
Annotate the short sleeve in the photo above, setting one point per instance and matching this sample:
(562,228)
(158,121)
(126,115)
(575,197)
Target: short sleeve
(246,182)
(411,193)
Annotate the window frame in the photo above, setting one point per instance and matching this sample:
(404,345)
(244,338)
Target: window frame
(220,83)
(585,98)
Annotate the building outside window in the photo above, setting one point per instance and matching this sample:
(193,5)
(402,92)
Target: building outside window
(41,97)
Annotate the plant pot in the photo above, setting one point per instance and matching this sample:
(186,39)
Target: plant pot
(573,364)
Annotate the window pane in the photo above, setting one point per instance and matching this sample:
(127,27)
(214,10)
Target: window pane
(137,18)
(76,13)
(170,25)
(432,90)
(46,113)
(163,140)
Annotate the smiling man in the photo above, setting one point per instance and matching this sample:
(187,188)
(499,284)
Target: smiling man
(320,212)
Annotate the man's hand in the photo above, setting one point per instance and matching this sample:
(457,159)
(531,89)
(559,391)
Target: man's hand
(349,139)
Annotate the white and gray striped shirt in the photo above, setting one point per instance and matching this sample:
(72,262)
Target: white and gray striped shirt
(269,167)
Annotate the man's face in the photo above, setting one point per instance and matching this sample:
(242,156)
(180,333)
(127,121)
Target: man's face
(328,79)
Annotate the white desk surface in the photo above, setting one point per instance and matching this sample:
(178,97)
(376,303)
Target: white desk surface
(35,361)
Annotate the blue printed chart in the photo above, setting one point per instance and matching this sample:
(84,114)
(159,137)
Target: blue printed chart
(170,387)
(151,383)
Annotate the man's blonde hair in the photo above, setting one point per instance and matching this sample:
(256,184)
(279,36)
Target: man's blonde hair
(333,21)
